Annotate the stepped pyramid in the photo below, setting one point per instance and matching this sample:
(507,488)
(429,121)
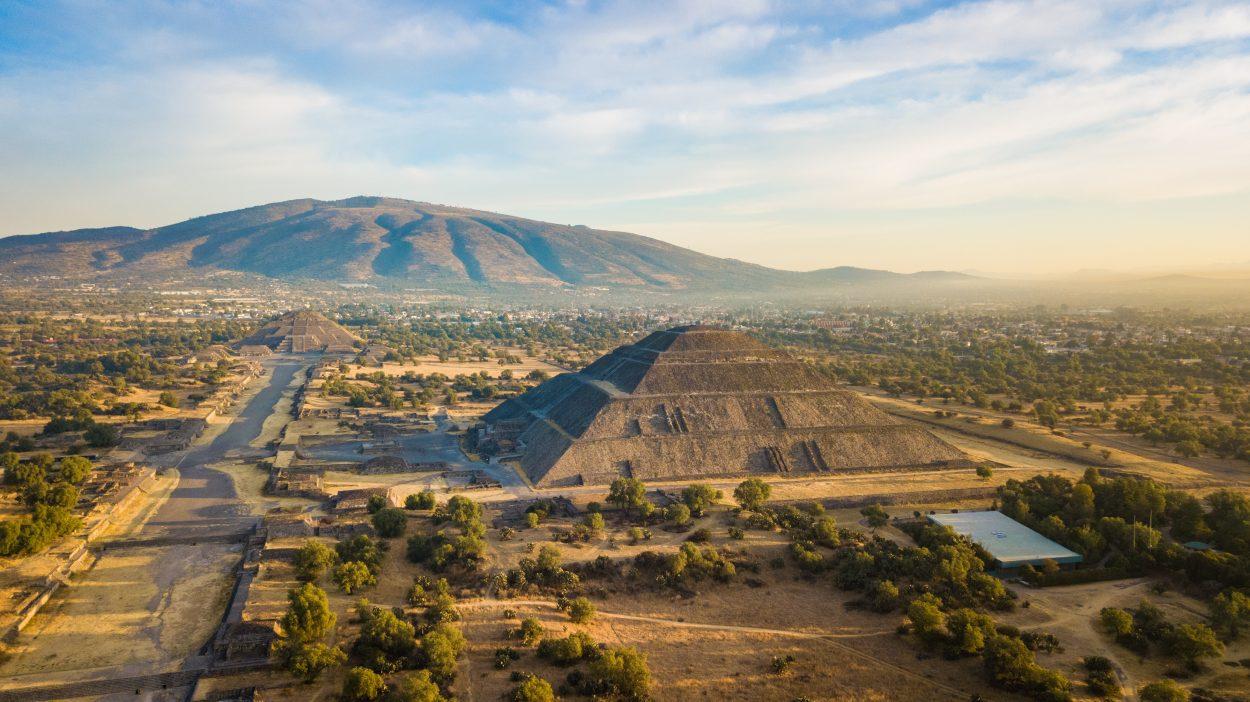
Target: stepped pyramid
(302,332)
(699,401)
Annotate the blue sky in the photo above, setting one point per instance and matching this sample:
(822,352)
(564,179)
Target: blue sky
(1003,136)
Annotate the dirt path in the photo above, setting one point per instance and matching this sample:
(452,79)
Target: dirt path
(828,637)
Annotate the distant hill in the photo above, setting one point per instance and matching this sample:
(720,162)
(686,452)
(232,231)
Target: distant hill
(391,241)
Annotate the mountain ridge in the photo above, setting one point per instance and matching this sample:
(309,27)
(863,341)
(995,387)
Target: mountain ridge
(389,240)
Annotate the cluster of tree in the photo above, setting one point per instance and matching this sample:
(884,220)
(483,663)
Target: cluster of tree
(443,550)
(1190,434)
(541,574)
(580,334)
(1118,521)
(619,671)
(1145,629)
(50,490)
(355,562)
(57,368)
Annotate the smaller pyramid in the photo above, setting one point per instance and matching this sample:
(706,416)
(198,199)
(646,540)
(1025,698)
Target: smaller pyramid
(302,332)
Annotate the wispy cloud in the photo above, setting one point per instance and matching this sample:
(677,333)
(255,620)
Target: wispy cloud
(828,125)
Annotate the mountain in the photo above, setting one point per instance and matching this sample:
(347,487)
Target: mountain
(389,241)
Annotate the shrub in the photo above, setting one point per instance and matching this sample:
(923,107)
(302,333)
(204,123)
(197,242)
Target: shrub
(74,469)
(622,671)
(677,514)
(752,493)
(532,689)
(699,498)
(440,648)
(568,650)
(308,661)
(1163,691)
(530,631)
(780,664)
(353,576)
(308,617)
(421,500)
(737,533)
(376,502)
(313,559)
(416,687)
(581,610)
(505,656)
(390,522)
(362,685)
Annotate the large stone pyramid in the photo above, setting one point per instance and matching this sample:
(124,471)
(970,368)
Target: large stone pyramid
(699,401)
(302,332)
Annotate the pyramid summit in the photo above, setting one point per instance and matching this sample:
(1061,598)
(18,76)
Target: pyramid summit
(698,401)
(302,331)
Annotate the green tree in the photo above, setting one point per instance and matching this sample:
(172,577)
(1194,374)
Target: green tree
(74,469)
(309,660)
(415,687)
(677,514)
(594,522)
(699,498)
(529,632)
(623,671)
(927,619)
(362,685)
(875,515)
(752,493)
(1230,612)
(313,559)
(581,610)
(168,399)
(1193,642)
(308,617)
(532,689)
(626,493)
(390,522)
(1163,691)
(825,532)
(420,500)
(353,576)
(441,646)
(102,435)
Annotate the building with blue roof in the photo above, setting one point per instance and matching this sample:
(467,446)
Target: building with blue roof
(1012,544)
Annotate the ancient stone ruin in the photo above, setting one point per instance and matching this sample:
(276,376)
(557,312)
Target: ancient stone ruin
(699,401)
(301,332)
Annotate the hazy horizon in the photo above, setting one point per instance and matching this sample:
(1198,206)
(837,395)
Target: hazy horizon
(1006,138)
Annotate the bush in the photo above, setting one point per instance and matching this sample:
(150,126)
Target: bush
(353,576)
(1101,676)
(677,514)
(313,559)
(440,648)
(532,689)
(530,631)
(581,610)
(622,671)
(416,687)
(102,435)
(362,685)
(421,500)
(752,493)
(1163,691)
(74,469)
(505,656)
(568,650)
(308,661)
(376,502)
(390,522)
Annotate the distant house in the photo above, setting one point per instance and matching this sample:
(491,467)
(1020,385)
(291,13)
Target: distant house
(1012,544)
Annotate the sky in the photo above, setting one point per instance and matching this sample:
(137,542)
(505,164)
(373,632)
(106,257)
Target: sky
(1008,137)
